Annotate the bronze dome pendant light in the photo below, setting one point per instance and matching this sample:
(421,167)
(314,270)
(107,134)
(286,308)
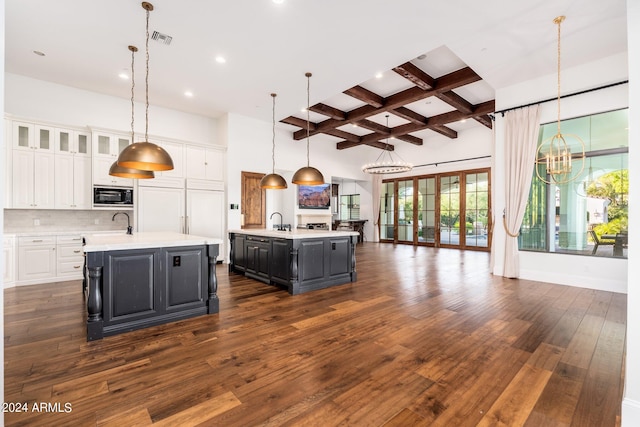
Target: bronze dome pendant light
(273,181)
(121,171)
(146,155)
(308,175)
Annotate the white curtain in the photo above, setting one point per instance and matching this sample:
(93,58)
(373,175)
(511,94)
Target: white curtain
(522,127)
(376,184)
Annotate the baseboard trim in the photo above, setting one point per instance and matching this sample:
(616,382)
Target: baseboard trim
(630,413)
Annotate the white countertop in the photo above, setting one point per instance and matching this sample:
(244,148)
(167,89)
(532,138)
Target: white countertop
(296,233)
(99,242)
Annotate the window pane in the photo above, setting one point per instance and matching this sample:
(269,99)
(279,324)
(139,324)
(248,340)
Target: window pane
(587,216)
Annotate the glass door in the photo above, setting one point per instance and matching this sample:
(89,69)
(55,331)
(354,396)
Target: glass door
(477,209)
(426,210)
(405,222)
(387,211)
(450,225)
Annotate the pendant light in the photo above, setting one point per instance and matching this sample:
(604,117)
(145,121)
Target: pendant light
(146,155)
(308,175)
(554,154)
(273,181)
(121,171)
(385,163)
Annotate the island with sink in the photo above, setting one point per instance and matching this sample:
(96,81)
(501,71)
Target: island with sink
(300,260)
(134,281)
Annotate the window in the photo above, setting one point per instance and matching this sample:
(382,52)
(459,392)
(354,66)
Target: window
(587,216)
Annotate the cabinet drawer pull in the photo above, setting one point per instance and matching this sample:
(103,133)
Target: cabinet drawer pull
(76,252)
(37,240)
(77,266)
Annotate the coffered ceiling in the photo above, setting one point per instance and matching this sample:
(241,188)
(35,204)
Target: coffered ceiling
(471,50)
(457,96)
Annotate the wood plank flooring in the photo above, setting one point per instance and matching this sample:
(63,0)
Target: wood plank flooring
(425,337)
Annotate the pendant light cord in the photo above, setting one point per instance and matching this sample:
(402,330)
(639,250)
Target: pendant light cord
(273,134)
(146,80)
(558,21)
(133,50)
(308,107)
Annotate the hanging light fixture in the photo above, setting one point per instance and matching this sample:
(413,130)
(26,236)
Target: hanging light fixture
(146,155)
(273,181)
(385,163)
(554,154)
(308,175)
(121,171)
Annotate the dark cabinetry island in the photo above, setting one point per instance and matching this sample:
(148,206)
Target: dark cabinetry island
(300,260)
(146,279)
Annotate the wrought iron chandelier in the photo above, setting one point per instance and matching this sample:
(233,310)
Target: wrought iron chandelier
(386,163)
(554,155)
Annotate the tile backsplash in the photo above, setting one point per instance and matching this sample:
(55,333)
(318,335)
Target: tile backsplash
(34,220)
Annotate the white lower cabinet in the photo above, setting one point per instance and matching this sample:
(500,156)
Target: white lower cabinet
(161,209)
(36,259)
(49,258)
(70,258)
(9,267)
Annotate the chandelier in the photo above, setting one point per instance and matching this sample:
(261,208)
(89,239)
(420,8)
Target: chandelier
(386,163)
(554,155)
(146,155)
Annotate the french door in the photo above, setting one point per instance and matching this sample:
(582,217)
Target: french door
(443,210)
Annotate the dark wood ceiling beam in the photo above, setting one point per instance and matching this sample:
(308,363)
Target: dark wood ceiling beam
(456,101)
(410,115)
(328,111)
(365,96)
(416,76)
(484,120)
(449,117)
(344,135)
(302,123)
(376,144)
(443,130)
(384,132)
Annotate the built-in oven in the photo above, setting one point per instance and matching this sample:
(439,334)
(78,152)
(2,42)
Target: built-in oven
(112,197)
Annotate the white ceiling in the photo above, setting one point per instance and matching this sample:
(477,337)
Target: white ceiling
(269,47)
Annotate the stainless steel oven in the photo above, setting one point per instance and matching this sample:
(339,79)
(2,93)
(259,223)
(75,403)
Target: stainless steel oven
(113,197)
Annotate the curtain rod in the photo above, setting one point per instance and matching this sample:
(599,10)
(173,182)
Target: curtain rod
(451,161)
(563,96)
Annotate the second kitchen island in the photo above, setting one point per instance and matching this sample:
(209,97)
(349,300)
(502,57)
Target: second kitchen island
(301,260)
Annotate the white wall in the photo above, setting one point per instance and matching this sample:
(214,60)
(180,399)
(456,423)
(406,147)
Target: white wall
(43,101)
(631,400)
(590,272)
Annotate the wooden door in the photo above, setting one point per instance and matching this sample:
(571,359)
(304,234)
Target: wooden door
(253,201)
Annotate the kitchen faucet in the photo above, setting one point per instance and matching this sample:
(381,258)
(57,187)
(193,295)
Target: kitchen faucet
(279,228)
(129,228)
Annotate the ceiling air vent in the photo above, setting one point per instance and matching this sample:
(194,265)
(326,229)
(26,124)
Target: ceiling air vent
(161,38)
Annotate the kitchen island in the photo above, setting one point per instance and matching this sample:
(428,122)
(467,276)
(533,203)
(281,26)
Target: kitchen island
(300,260)
(138,280)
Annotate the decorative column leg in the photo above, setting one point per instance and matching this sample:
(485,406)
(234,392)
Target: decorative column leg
(94,305)
(294,285)
(354,274)
(213,303)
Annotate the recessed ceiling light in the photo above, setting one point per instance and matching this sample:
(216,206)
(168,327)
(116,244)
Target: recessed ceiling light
(463,121)
(188,94)
(124,76)
(278,1)
(303,109)
(378,75)
(422,56)
(37,52)
(220,59)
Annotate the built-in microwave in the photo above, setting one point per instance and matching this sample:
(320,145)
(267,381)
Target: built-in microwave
(104,197)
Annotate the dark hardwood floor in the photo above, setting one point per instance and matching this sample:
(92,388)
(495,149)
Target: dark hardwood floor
(425,337)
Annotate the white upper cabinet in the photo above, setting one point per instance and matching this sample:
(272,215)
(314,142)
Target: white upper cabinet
(205,163)
(28,136)
(72,142)
(106,148)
